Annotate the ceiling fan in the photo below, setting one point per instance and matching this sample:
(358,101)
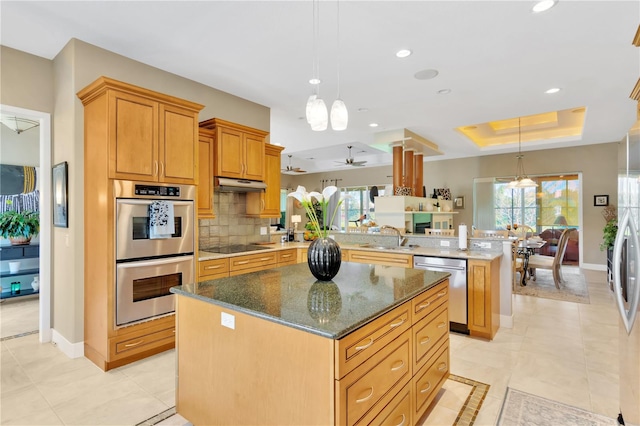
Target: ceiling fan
(350,161)
(290,168)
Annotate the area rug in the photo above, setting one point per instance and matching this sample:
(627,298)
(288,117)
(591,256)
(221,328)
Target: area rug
(520,409)
(574,290)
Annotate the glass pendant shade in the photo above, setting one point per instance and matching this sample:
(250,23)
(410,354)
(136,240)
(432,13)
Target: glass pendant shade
(339,115)
(309,105)
(319,117)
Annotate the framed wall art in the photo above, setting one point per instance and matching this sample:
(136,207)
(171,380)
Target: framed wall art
(601,200)
(60,195)
(458,202)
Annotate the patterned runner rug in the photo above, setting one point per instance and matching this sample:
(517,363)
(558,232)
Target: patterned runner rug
(523,409)
(574,290)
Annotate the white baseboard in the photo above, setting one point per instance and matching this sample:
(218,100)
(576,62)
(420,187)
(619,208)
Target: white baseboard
(594,266)
(72,350)
(506,321)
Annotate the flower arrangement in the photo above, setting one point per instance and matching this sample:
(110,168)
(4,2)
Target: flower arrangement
(609,234)
(307,200)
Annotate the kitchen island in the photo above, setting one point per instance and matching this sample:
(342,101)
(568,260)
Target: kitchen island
(278,347)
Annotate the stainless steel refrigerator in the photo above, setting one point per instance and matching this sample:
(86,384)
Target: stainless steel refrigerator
(626,265)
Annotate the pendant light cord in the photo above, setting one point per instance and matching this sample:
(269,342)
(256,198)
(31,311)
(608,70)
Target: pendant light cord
(338,42)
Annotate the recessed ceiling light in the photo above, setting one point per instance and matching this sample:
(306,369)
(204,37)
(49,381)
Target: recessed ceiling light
(426,74)
(552,90)
(363,109)
(444,91)
(373,124)
(403,53)
(315,81)
(543,5)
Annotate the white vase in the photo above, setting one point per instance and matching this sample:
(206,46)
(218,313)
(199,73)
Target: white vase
(35,284)
(14,267)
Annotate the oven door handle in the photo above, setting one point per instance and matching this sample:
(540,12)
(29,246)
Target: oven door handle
(155,262)
(148,202)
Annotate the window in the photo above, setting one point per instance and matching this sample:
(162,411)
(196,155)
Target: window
(357,203)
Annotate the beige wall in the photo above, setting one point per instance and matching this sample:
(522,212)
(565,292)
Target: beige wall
(20,149)
(598,164)
(26,81)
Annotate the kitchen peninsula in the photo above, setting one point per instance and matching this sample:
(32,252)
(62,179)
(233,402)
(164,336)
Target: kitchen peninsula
(278,347)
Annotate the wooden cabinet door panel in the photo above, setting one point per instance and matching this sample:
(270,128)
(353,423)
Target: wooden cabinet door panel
(229,152)
(254,157)
(205,177)
(133,144)
(177,148)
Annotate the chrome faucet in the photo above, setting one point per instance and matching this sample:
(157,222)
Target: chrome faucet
(401,239)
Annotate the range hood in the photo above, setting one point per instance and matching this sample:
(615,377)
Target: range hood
(239,185)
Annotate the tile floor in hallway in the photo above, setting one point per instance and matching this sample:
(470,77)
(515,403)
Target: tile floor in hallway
(559,350)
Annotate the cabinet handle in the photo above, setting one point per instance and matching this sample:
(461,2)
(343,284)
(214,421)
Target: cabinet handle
(398,367)
(402,422)
(213,267)
(359,348)
(425,340)
(427,388)
(265,258)
(421,307)
(442,324)
(442,366)
(244,262)
(129,345)
(394,325)
(262,203)
(366,397)
(155,168)
(442,293)
(285,255)
(161,169)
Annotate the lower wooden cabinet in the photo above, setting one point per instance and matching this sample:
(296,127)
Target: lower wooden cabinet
(429,379)
(287,257)
(483,296)
(381,258)
(252,263)
(213,268)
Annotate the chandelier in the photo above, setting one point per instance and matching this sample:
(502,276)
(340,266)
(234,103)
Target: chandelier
(18,124)
(521,180)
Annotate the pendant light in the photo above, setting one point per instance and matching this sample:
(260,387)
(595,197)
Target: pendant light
(316,110)
(339,113)
(521,180)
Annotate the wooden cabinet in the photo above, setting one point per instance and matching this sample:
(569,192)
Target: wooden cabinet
(205,174)
(287,257)
(213,268)
(483,287)
(381,258)
(267,204)
(151,137)
(252,263)
(239,150)
(135,134)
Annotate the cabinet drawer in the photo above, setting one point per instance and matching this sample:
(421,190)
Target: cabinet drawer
(287,257)
(251,263)
(371,382)
(213,268)
(124,346)
(430,379)
(355,348)
(428,335)
(429,300)
(398,411)
(380,258)
(302,255)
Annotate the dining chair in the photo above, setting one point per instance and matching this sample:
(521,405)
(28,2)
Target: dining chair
(440,232)
(523,232)
(551,262)
(493,233)
(517,263)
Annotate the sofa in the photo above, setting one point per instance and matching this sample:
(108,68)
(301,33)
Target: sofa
(551,236)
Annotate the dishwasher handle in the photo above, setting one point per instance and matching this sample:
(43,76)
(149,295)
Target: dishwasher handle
(431,267)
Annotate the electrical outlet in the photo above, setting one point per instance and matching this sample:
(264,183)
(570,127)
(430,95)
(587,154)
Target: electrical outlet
(444,243)
(485,245)
(228,320)
(263,230)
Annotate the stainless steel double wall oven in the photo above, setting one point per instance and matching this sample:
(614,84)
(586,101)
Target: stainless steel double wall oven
(146,267)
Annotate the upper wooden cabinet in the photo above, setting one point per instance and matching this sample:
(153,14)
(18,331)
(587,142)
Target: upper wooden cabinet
(151,136)
(205,172)
(267,204)
(239,150)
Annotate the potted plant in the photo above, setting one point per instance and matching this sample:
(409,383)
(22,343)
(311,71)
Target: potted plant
(19,227)
(609,234)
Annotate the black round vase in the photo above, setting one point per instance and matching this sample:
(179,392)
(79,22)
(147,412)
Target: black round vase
(324,258)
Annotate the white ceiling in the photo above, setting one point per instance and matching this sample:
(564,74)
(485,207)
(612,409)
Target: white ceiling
(497,58)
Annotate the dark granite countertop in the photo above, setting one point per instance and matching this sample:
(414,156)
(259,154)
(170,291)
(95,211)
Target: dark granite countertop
(291,296)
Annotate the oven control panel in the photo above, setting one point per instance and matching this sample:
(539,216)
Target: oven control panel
(162,191)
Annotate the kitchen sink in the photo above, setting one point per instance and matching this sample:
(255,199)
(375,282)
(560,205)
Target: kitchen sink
(408,247)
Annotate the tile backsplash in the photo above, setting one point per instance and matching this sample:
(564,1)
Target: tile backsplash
(231,225)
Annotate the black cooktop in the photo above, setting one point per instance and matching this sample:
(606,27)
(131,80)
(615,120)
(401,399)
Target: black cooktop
(238,248)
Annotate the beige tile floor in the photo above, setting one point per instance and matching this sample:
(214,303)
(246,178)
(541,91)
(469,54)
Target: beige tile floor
(18,315)
(559,350)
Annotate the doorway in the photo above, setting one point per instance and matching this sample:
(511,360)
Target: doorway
(44,262)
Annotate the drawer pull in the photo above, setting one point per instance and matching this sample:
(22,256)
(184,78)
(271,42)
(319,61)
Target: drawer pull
(213,267)
(366,397)
(359,348)
(402,422)
(285,255)
(265,258)
(244,262)
(398,324)
(129,345)
(442,293)
(442,324)
(442,366)
(398,367)
(424,306)
(425,340)
(427,388)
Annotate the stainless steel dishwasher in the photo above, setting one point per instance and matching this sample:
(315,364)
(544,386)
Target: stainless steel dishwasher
(457,287)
